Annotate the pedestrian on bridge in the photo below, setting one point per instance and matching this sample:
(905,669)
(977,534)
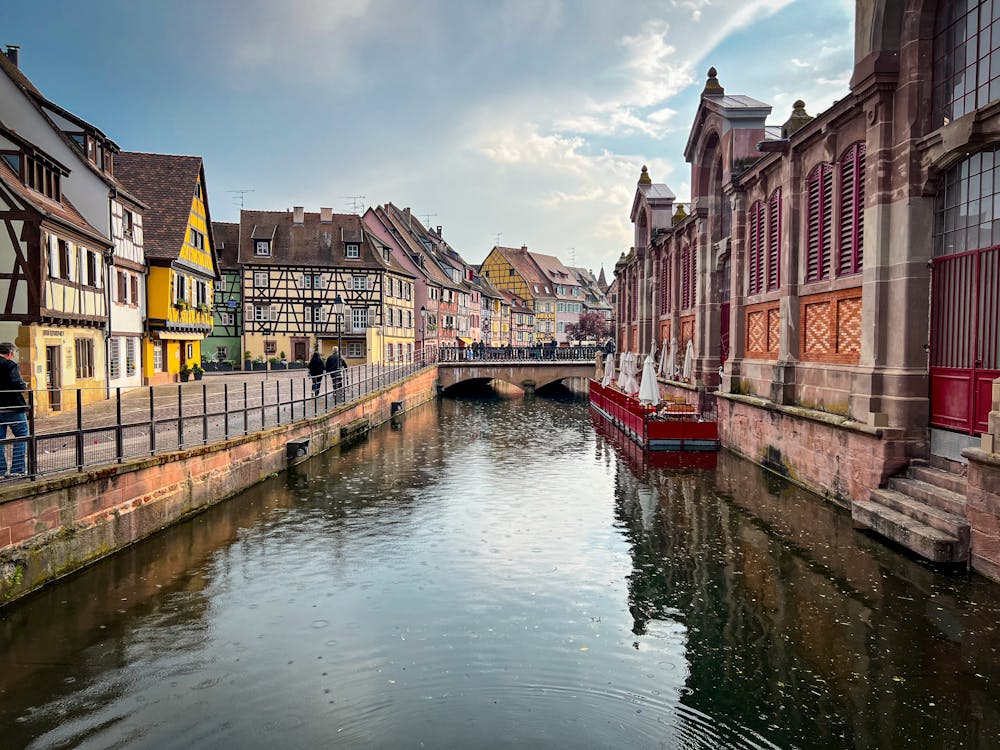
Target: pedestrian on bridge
(335,366)
(316,370)
(13,410)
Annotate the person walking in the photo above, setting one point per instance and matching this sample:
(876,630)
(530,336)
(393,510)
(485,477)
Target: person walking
(13,410)
(335,366)
(316,370)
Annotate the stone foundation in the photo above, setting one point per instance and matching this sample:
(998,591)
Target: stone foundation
(58,525)
(982,508)
(831,456)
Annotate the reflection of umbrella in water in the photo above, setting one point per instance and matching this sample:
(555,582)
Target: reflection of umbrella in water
(598,366)
(647,504)
(689,361)
(649,392)
(609,372)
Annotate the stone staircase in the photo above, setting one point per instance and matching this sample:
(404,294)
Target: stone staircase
(923,511)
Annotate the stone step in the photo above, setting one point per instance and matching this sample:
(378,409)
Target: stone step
(947,464)
(926,541)
(946,500)
(949,523)
(939,478)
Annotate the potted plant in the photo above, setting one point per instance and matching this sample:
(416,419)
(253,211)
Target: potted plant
(204,308)
(197,371)
(247,361)
(184,373)
(181,304)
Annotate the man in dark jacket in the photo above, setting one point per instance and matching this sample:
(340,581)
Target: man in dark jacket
(335,365)
(316,370)
(13,410)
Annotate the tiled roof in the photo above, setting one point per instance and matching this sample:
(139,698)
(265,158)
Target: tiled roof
(421,246)
(515,304)
(64,212)
(522,262)
(166,183)
(555,272)
(227,243)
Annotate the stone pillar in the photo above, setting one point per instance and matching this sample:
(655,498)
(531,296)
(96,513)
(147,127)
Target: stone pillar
(737,319)
(706,328)
(982,506)
(783,376)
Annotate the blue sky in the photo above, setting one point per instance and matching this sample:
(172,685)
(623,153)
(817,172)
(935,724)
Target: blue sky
(526,117)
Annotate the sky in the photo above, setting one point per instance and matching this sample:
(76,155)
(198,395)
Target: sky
(523,120)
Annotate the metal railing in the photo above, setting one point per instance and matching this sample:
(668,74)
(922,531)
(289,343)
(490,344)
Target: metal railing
(539,352)
(150,420)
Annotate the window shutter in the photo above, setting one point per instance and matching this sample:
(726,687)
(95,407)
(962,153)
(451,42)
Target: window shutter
(848,179)
(247,313)
(273,312)
(372,316)
(859,202)
(53,257)
(370,283)
(814,224)
(753,261)
(774,240)
(826,246)
(319,281)
(348,320)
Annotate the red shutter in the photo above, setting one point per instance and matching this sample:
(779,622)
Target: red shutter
(827,236)
(820,205)
(774,240)
(753,256)
(848,212)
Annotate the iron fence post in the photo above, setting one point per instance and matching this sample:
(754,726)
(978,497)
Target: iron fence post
(246,410)
(204,414)
(263,414)
(180,418)
(32,437)
(152,421)
(225,407)
(79,430)
(119,432)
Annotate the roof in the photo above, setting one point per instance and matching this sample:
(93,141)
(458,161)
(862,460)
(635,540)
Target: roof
(227,243)
(521,261)
(421,246)
(166,183)
(555,272)
(64,212)
(516,305)
(659,191)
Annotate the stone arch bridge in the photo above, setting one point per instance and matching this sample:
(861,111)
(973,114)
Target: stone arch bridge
(528,376)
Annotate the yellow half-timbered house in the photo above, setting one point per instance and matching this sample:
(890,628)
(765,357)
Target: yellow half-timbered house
(179,252)
(51,278)
(513,270)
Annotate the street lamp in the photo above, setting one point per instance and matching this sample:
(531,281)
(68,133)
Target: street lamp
(338,310)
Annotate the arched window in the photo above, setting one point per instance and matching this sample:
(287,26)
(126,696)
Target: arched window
(774,240)
(756,248)
(967,215)
(966,58)
(851,213)
(819,191)
(689,268)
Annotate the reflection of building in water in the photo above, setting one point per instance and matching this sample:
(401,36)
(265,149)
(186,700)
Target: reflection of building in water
(785,607)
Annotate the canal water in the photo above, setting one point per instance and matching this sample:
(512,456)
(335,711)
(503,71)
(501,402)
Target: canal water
(506,573)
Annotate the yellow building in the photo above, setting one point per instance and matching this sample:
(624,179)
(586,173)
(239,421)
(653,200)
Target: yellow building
(514,270)
(181,258)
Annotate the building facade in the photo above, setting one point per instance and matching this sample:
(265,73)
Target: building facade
(225,343)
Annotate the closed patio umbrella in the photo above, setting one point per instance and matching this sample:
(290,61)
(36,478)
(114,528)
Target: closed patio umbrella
(649,391)
(609,372)
(598,365)
(689,361)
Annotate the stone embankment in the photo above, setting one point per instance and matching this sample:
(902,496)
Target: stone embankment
(55,526)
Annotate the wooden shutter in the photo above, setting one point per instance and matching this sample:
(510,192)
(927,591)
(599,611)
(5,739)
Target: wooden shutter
(820,209)
(851,237)
(273,312)
(755,256)
(774,240)
(53,257)
(827,236)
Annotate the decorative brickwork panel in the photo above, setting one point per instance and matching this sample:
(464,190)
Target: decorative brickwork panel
(664,333)
(831,327)
(762,331)
(634,339)
(687,333)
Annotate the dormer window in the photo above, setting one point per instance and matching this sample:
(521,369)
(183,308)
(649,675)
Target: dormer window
(39,176)
(353,250)
(262,248)
(14,161)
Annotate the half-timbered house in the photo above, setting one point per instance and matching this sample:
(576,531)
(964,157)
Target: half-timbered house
(298,265)
(514,270)
(180,256)
(225,344)
(51,275)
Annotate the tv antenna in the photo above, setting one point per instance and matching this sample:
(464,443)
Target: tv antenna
(572,255)
(426,218)
(499,235)
(356,203)
(239,196)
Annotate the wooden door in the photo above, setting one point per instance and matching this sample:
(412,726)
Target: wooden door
(53,376)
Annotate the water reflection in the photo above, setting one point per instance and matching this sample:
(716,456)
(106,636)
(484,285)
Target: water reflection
(504,572)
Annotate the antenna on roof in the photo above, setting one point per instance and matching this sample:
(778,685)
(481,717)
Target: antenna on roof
(356,203)
(427,219)
(239,196)
(572,256)
(499,235)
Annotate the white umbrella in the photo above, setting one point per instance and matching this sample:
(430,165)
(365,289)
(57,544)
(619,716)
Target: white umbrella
(649,391)
(689,361)
(631,384)
(609,372)
(661,367)
(598,366)
(672,362)
(622,374)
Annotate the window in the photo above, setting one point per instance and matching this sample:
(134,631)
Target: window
(197,239)
(966,58)
(313,281)
(260,279)
(226,318)
(181,287)
(158,356)
(755,248)
(388,352)
(562,327)
(64,272)
(262,247)
(134,281)
(127,222)
(353,251)
(399,352)
(359,318)
(190,351)
(270,346)
(84,358)
(130,361)
(354,350)
(114,358)
(510,271)
(773,241)
(14,160)
(967,213)
(359,283)
(221,353)
(409,318)
(689,271)
(820,214)
(261,313)
(852,207)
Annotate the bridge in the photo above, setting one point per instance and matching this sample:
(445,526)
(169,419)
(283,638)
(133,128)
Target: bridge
(528,375)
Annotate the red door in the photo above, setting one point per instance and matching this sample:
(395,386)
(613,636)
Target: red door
(965,338)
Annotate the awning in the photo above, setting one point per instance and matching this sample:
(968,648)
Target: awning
(464,340)
(175,336)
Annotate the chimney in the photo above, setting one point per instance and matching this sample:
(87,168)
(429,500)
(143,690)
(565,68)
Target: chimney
(439,231)
(524,247)
(325,215)
(299,215)
(12,53)
(406,216)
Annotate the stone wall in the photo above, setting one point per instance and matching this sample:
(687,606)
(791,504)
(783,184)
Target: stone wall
(56,526)
(829,455)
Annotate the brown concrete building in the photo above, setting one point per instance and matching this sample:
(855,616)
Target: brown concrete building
(839,278)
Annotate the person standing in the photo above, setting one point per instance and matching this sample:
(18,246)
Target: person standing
(335,366)
(316,370)
(13,410)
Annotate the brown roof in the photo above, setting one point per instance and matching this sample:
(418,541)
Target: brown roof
(166,183)
(62,212)
(411,232)
(555,272)
(227,243)
(516,305)
(521,260)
